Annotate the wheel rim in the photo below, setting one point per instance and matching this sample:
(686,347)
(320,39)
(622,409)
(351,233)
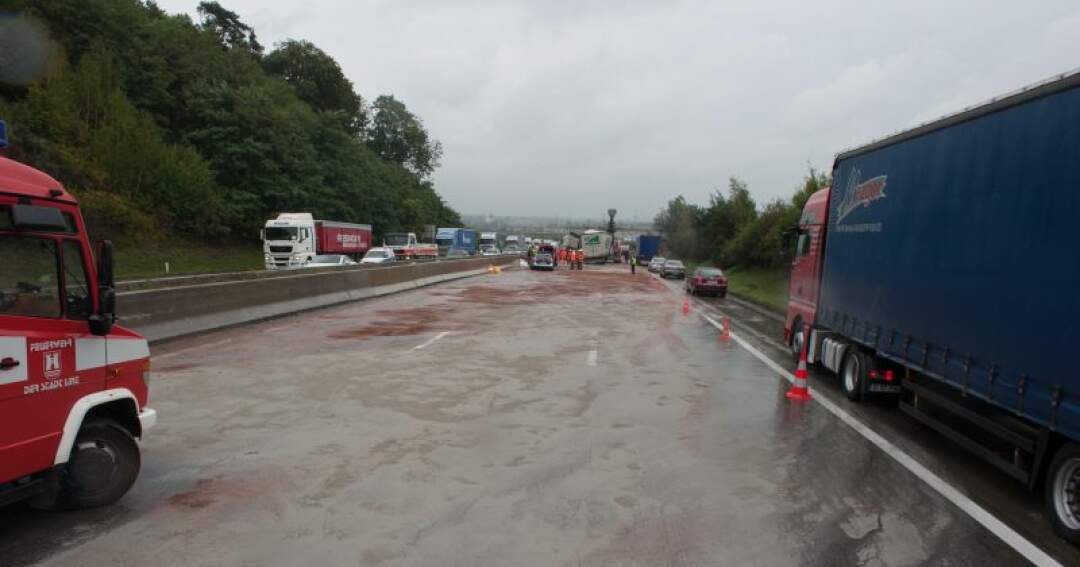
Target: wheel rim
(94,466)
(851,372)
(1067,494)
(797,343)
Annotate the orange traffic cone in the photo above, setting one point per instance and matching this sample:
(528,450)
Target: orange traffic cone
(686,307)
(725,335)
(799,390)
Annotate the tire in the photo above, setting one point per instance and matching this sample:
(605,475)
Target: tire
(853,374)
(798,332)
(722,293)
(103,465)
(1062,508)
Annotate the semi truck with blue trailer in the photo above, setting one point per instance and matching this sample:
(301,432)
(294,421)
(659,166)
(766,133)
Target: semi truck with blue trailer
(648,245)
(456,241)
(941,268)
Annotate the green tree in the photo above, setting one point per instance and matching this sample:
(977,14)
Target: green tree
(319,81)
(397,135)
(679,224)
(226,25)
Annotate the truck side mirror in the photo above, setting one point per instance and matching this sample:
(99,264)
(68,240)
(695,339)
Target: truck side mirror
(102,321)
(105,264)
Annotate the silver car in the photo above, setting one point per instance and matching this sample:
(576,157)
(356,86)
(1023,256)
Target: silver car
(329,260)
(656,264)
(673,269)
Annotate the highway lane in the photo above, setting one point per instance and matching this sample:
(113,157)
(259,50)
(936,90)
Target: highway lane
(989,488)
(516,419)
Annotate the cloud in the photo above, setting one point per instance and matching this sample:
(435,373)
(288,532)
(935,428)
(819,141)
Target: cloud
(567,108)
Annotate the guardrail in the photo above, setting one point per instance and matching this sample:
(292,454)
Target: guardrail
(196,304)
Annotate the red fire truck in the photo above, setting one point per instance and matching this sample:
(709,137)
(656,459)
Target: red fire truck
(73,384)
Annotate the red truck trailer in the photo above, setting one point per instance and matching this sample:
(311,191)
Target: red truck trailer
(332,237)
(73,384)
(940,269)
(292,239)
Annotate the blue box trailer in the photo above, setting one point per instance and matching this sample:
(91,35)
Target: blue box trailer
(950,255)
(648,245)
(456,241)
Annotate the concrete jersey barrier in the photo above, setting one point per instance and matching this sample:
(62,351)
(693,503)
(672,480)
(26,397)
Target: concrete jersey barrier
(169,312)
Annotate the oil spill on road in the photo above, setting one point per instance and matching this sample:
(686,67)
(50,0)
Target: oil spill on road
(405,322)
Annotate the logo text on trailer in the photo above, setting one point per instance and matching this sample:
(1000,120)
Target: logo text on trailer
(350,240)
(858,194)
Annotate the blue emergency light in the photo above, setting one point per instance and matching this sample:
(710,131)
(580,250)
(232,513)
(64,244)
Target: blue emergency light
(3,134)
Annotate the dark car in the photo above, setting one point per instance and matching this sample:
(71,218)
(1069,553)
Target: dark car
(707,281)
(673,269)
(543,262)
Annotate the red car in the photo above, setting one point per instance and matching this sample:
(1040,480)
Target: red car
(707,280)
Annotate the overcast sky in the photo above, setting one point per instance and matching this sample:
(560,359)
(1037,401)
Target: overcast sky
(571,107)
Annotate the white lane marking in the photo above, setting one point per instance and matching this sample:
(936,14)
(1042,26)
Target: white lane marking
(949,492)
(594,342)
(190,348)
(572,322)
(428,342)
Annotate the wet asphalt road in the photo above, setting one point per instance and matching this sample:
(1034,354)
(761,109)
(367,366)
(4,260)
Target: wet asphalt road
(567,418)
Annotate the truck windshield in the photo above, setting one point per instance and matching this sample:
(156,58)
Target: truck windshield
(396,239)
(281,232)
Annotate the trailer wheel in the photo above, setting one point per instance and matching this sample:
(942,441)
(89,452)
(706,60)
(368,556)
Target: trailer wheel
(853,374)
(1063,493)
(103,465)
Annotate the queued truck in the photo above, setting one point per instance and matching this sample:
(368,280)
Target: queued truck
(648,245)
(941,269)
(73,383)
(293,239)
(407,247)
(489,240)
(598,246)
(456,241)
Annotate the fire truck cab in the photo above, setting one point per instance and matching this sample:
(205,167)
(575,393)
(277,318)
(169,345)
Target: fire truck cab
(73,384)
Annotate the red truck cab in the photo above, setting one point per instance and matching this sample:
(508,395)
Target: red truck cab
(73,385)
(806,270)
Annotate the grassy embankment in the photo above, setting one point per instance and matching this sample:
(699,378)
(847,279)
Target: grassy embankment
(765,286)
(140,260)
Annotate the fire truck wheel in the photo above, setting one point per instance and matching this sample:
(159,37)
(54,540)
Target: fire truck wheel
(1062,490)
(102,467)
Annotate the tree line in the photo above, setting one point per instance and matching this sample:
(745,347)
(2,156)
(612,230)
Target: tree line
(164,124)
(732,230)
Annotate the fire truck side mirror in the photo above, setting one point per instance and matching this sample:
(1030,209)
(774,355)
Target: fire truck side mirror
(102,321)
(105,264)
